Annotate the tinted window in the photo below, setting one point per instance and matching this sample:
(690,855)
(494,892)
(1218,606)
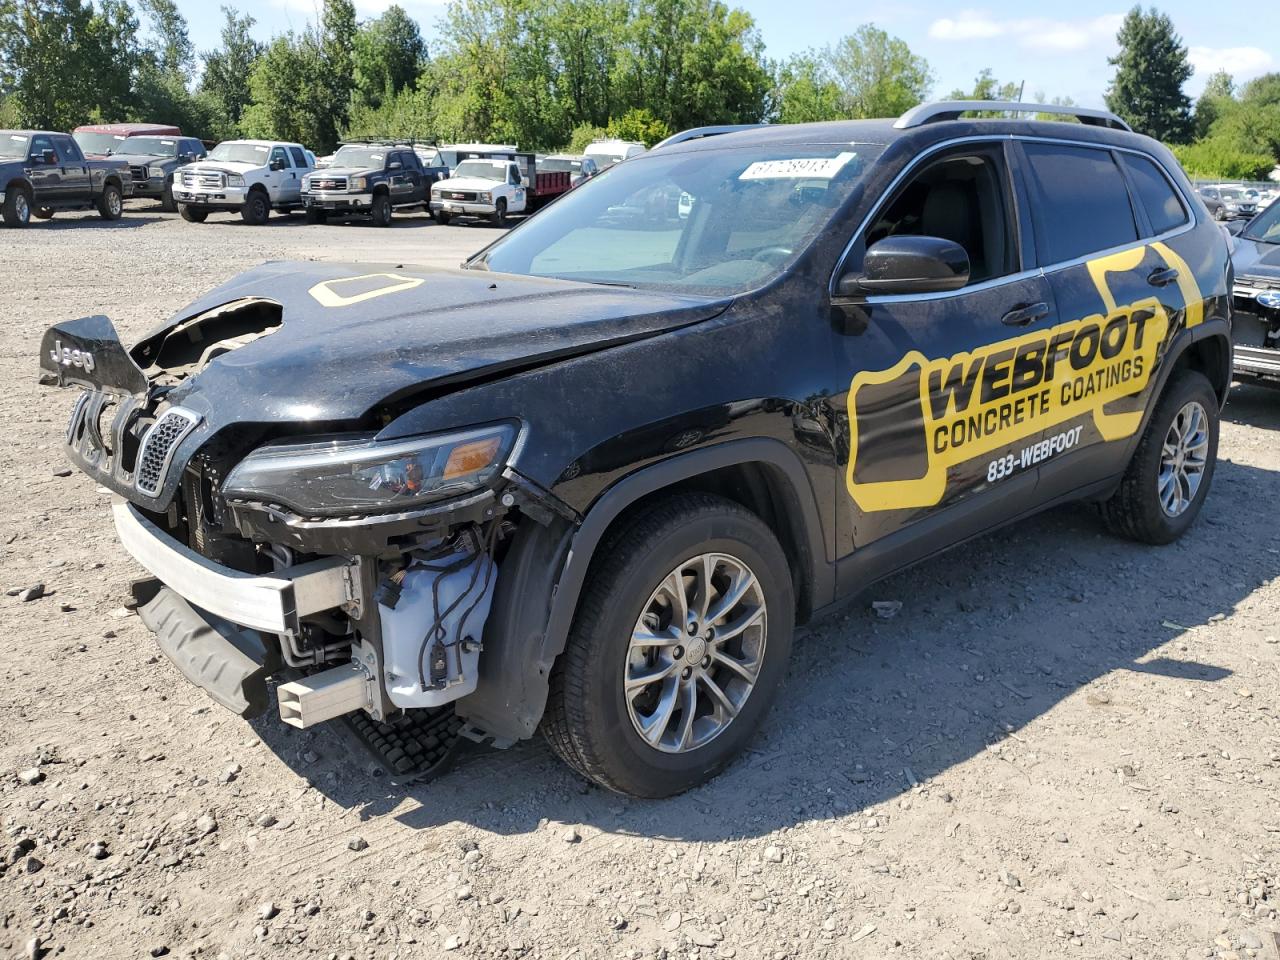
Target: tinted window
(68,150)
(1083,204)
(277,153)
(39,145)
(299,158)
(1156,194)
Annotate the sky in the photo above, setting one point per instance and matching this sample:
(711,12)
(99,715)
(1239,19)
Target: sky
(1061,51)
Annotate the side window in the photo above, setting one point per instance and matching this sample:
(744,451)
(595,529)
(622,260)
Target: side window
(196,149)
(1155,193)
(278,153)
(69,150)
(39,145)
(299,158)
(962,197)
(1083,203)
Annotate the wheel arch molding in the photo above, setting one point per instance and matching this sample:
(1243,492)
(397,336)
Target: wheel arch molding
(526,633)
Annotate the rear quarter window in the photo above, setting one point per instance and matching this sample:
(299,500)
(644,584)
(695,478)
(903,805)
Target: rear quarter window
(1156,194)
(1082,203)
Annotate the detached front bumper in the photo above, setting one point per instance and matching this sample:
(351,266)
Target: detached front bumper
(337,201)
(274,604)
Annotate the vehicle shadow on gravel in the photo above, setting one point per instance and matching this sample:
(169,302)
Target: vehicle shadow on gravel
(92,221)
(989,637)
(1254,406)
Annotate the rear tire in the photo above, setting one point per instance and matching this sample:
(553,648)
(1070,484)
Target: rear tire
(380,212)
(499,216)
(1171,471)
(193,214)
(257,209)
(17,207)
(111,203)
(596,710)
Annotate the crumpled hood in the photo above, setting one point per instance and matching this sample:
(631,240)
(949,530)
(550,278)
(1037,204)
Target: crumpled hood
(1253,258)
(353,336)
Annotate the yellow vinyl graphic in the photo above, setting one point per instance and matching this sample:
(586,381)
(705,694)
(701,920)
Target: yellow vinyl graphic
(976,402)
(326,295)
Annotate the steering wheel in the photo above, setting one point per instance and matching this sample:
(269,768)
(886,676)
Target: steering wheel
(772,254)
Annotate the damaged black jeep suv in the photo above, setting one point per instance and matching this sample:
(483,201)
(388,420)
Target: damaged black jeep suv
(592,480)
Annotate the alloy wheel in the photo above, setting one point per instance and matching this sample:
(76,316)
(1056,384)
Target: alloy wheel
(695,653)
(1183,459)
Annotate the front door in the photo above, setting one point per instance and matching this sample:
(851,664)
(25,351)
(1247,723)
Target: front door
(945,392)
(45,173)
(74,169)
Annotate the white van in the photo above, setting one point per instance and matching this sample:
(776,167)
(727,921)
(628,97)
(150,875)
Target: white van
(608,152)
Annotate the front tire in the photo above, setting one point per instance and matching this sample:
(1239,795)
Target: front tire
(167,203)
(499,216)
(1171,471)
(443,218)
(256,209)
(380,212)
(193,214)
(17,207)
(111,203)
(315,216)
(681,638)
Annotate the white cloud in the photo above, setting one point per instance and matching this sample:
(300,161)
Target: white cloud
(1237,61)
(1038,33)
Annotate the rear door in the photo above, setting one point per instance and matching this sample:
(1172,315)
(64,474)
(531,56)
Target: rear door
(943,392)
(1111,275)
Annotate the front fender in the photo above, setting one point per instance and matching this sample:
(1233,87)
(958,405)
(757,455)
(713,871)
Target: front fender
(544,572)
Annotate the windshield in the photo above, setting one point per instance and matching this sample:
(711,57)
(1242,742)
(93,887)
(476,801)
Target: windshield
(100,142)
(14,145)
(560,165)
(362,157)
(714,221)
(484,169)
(1265,226)
(1229,194)
(232,152)
(151,146)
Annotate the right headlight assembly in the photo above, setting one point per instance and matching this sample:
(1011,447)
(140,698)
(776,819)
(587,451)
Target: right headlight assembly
(354,475)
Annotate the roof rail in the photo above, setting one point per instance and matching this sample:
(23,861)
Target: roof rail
(699,133)
(952,109)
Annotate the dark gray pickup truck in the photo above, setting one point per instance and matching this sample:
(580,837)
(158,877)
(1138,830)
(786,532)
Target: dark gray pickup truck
(42,172)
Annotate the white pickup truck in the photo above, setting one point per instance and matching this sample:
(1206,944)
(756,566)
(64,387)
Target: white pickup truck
(251,176)
(495,186)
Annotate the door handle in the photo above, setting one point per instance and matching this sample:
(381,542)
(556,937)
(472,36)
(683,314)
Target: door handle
(1162,277)
(1025,314)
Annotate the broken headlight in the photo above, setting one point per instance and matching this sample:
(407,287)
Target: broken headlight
(347,475)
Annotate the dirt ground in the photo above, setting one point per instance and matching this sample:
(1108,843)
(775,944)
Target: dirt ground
(1063,745)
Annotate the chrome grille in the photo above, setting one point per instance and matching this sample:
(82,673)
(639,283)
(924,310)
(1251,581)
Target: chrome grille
(203,181)
(138,173)
(328,183)
(158,446)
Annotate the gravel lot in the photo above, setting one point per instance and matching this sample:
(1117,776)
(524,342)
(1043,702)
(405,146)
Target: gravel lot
(1063,745)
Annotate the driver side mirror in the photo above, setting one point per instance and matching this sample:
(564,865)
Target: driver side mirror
(395,165)
(46,157)
(898,265)
(277,164)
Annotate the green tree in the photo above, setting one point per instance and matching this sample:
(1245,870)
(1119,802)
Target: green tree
(172,49)
(388,55)
(225,79)
(1262,91)
(1216,159)
(987,87)
(1218,92)
(1151,68)
(639,125)
(283,92)
(333,81)
(806,91)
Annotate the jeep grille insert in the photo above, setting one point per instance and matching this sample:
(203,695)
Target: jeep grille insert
(158,446)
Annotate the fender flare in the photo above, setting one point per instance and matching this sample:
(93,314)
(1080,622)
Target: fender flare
(20,183)
(523,637)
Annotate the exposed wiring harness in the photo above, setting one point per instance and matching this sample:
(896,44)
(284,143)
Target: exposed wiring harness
(436,638)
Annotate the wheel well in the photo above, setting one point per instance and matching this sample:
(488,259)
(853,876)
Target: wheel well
(18,185)
(381,190)
(765,491)
(112,181)
(1209,357)
(257,188)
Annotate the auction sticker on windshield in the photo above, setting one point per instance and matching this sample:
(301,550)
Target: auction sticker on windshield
(807,167)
